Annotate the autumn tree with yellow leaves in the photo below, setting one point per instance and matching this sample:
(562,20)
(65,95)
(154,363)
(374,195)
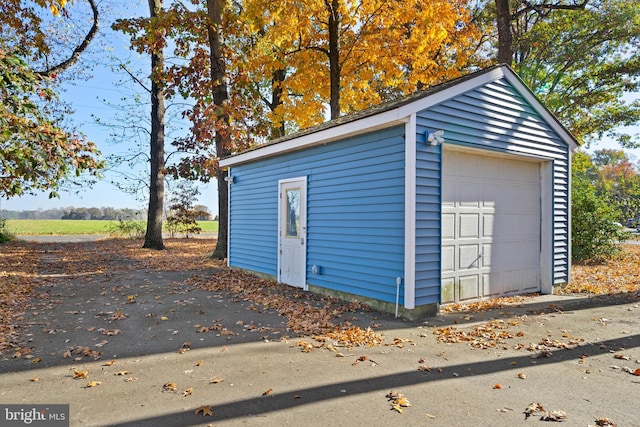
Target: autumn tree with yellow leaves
(256,69)
(350,55)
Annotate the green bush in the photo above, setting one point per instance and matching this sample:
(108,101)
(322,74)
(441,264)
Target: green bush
(595,233)
(5,235)
(130,228)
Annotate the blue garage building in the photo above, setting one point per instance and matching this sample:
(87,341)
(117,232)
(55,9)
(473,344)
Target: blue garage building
(454,194)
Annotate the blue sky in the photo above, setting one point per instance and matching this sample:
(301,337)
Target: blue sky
(101,96)
(88,97)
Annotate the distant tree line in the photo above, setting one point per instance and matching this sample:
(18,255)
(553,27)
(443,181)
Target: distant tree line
(74,213)
(103,213)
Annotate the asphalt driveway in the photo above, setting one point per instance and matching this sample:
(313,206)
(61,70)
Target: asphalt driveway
(148,347)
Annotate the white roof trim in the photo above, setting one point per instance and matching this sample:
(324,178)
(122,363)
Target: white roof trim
(399,115)
(367,124)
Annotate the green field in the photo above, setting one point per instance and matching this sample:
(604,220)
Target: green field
(40,227)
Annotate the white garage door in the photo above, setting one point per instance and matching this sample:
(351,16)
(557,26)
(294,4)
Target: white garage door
(490,226)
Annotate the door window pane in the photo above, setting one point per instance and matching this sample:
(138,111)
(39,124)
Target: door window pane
(292,212)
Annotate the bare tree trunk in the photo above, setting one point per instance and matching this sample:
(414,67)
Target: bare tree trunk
(276,101)
(505,38)
(153,236)
(334,56)
(220,96)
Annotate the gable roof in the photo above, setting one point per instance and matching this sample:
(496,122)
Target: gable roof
(397,112)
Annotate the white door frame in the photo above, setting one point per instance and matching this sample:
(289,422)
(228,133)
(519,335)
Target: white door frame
(292,271)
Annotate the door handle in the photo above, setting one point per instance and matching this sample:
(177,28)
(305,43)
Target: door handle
(302,241)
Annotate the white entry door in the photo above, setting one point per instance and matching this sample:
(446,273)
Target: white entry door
(491,210)
(292,232)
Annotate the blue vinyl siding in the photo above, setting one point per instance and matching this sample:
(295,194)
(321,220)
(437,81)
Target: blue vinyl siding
(428,216)
(356,191)
(355,212)
(495,117)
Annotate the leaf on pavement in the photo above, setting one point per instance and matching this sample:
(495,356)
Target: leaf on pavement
(397,401)
(118,315)
(215,380)
(554,416)
(532,409)
(205,411)
(109,332)
(170,387)
(93,383)
(605,422)
(80,374)
(622,356)
(268,392)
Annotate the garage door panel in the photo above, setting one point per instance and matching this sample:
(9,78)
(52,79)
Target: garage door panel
(486,255)
(512,194)
(448,226)
(510,282)
(469,225)
(468,257)
(448,258)
(493,206)
(467,194)
(447,293)
(469,287)
(487,225)
(530,204)
(486,284)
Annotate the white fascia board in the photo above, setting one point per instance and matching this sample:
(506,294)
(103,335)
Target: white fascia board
(540,109)
(357,127)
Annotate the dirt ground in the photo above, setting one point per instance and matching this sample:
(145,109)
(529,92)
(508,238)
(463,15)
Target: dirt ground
(133,338)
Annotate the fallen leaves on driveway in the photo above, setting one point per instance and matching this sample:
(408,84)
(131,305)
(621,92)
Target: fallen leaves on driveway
(617,276)
(489,304)
(29,269)
(19,282)
(25,267)
(488,335)
(308,314)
